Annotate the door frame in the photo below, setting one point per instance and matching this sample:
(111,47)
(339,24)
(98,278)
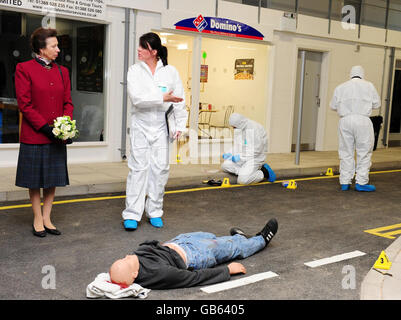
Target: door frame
(397,136)
(324,81)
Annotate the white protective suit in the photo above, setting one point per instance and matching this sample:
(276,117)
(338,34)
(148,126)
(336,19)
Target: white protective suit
(149,158)
(250,143)
(354,100)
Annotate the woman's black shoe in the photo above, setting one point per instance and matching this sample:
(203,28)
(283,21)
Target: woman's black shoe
(53,231)
(40,234)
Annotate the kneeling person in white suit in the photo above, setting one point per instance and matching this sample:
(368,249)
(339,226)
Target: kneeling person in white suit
(247,158)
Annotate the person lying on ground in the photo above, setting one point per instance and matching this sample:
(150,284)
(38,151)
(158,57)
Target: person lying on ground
(190,259)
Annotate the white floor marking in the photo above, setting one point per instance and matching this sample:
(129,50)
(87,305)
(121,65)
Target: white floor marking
(240,282)
(337,258)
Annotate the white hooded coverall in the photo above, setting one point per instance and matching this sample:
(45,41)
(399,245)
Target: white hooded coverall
(354,100)
(149,158)
(250,143)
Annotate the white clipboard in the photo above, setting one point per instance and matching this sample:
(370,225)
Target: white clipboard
(170,121)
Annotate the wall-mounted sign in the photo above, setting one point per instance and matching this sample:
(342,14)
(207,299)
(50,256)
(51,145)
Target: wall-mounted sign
(94,9)
(244,69)
(219,26)
(204,73)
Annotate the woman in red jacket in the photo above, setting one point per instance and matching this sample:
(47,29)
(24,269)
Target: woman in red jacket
(43,94)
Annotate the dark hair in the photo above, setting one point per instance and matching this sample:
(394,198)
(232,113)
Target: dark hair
(39,36)
(155,43)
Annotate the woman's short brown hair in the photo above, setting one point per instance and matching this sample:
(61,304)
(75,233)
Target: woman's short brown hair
(39,36)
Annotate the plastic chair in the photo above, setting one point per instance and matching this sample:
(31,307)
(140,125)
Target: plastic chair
(204,121)
(225,124)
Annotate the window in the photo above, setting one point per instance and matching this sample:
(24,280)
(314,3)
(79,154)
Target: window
(338,5)
(314,8)
(81,52)
(251,2)
(374,13)
(284,5)
(394,15)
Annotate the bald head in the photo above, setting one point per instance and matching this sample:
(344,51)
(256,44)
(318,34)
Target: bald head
(125,270)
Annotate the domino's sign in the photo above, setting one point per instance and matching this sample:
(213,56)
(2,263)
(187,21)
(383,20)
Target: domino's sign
(219,26)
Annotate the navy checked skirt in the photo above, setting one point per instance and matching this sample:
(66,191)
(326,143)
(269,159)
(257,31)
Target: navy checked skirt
(42,166)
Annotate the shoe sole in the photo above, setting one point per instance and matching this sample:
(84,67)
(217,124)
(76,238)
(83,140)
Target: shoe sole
(272,175)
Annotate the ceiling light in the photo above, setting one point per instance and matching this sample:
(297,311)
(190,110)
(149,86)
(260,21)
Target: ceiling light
(182,46)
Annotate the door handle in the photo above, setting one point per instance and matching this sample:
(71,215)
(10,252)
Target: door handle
(318,90)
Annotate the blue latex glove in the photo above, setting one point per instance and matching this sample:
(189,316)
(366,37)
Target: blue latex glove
(235,158)
(226,155)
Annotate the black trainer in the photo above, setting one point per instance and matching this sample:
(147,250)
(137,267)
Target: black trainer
(269,230)
(235,230)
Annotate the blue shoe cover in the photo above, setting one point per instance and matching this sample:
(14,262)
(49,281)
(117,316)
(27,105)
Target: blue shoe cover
(365,187)
(156,222)
(345,187)
(272,175)
(130,224)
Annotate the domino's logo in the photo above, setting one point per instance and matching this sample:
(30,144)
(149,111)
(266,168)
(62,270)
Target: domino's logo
(200,23)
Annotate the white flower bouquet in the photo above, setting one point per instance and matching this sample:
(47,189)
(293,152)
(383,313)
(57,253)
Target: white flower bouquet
(64,128)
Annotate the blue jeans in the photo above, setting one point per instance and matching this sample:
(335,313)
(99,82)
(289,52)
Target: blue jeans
(205,250)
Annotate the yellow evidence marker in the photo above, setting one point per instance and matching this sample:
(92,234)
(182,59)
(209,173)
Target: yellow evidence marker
(382,262)
(226,182)
(290,184)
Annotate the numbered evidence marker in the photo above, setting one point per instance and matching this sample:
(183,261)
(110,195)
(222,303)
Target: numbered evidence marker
(290,184)
(226,182)
(382,262)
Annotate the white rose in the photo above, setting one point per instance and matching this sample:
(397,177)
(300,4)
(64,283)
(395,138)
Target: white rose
(56,131)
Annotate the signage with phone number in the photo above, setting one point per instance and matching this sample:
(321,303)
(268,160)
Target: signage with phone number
(94,9)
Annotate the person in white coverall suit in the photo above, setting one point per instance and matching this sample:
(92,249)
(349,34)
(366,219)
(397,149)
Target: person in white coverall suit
(354,100)
(247,158)
(153,86)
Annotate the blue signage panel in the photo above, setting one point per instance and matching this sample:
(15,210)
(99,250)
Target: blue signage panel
(219,26)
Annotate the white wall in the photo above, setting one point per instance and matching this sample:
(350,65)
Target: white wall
(247,96)
(341,57)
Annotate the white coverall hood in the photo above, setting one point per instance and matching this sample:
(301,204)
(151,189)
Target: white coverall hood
(357,71)
(250,143)
(238,121)
(354,101)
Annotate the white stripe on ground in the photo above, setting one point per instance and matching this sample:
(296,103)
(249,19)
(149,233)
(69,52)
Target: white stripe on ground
(240,282)
(337,258)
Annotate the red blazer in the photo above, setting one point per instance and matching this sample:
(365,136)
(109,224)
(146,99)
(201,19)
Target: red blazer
(42,97)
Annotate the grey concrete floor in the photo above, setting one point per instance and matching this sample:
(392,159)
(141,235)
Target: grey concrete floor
(316,220)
